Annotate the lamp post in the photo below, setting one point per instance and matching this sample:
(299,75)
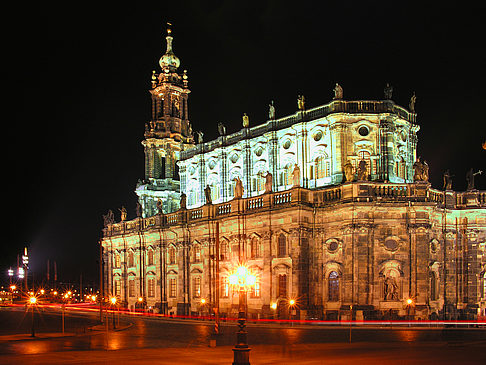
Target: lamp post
(242,280)
(32,301)
(113,303)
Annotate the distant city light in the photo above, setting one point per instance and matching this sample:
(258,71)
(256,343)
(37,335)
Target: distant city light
(10,272)
(21,273)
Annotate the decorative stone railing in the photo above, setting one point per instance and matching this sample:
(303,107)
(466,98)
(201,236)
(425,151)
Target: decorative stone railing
(345,193)
(335,106)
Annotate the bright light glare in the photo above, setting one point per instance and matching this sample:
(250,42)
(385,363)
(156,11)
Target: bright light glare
(33,300)
(274,305)
(203,301)
(113,300)
(291,302)
(409,301)
(233,279)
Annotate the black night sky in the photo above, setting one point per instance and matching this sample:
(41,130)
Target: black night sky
(78,80)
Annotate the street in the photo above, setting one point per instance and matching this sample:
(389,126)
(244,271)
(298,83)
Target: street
(150,335)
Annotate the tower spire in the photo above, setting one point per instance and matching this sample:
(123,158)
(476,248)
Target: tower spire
(169,61)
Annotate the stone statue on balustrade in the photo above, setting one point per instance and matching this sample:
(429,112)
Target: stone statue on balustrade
(470,178)
(338,92)
(447,180)
(108,218)
(221,129)
(349,171)
(268,182)
(411,105)
(388,91)
(200,136)
(420,171)
(296,176)
(271,111)
(301,102)
(246,121)
(123,214)
(183,201)
(207,194)
(362,171)
(238,189)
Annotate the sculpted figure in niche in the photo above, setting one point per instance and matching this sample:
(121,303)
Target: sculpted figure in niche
(338,92)
(183,201)
(123,213)
(391,288)
(362,171)
(296,176)
(159,206)
(238,190)
(348,171)
(268,182)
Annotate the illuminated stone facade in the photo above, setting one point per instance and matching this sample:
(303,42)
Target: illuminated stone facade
(370,238)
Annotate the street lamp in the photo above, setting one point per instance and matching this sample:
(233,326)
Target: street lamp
(32,301)
(113,303)
(243,280)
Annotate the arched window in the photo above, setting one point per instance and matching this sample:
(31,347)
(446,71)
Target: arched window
(131,288)
(282,246)
(333,287)
(400,167)
(131,261)
(365,155)
(172,256)
(150,257)
(224,287)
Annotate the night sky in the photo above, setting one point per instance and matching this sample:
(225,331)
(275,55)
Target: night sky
(78,79)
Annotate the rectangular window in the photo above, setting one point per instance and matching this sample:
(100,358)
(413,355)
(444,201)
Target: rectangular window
(196,289)
(117,288)
(255,290)
(225,287)
(282,286)
(131,288)
(151,288)
(172,287)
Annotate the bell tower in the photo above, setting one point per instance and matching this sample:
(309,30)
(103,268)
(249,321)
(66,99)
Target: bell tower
(167,134)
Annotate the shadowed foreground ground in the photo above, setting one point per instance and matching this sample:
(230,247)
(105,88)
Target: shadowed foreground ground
(360,353)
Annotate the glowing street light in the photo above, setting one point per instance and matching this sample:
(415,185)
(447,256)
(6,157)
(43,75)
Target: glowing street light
(32,301)
(243,280)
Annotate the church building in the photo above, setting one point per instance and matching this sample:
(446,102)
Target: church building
(329,207)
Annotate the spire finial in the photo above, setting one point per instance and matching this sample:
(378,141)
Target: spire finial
(169,30)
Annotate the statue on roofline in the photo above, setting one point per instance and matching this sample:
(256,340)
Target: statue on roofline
(301,102)
(271,111)
(207,194)
(338,92)
(362,171)
(470,178)
(246,121)
(296,176)
(268,182)
(411,105)
(183,201)
(447,180)
(108,218)
(388,91)
(238,189)
(123,213)
(421,171)
(221,129)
